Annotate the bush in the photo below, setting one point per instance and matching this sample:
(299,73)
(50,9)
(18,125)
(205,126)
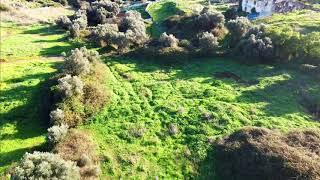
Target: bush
(95,97)
(56,116)
(208,42)
(70,86)
(134,28)
(39,165)
(258,153)
(208,20)
(63,22)
(102,10)
(78,147)
(57,133)
(168,40)
(105,34)
(257,48)
(78,62)
(238,28)
(231,13)
(131,32)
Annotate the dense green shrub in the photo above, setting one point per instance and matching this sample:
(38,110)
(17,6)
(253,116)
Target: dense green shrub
(208,42)
(76,63)
(237,29)
(64,22)
(57,133)
(168,40)
(79,61)
(231,13)
(188,26)
(208,20)
(39,165)
(131,32)
(256,47)
(69,86)
(105,34)
(102,10)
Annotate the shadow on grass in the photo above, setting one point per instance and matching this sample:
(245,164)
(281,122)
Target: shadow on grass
(29,119)
(45,31)
(57,49)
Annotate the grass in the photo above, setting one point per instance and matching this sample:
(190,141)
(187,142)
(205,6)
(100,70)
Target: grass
(149,97)
(161,10)
(303,21)
(23,122)
(23,113)
(30,42)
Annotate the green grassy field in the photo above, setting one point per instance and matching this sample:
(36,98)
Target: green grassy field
(23,121)
(302,21)
(148,98)
(30,42)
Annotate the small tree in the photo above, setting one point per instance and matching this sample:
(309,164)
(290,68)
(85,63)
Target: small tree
(43,165)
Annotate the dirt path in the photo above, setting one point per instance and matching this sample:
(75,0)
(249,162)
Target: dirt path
(21,14)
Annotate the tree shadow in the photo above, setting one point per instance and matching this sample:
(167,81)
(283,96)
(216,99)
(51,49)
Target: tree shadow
(45,31)
(30,119)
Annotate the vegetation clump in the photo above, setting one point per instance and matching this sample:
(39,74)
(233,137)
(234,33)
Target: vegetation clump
(78,147)
(81,93)
(259,153)
(39,165)
(168,40)
(57,133)
(70,86)
(208,42)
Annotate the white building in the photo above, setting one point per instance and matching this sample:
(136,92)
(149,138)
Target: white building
(268,7)
(263,7)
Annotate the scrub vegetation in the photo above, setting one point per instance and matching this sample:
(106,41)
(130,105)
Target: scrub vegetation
(103,94)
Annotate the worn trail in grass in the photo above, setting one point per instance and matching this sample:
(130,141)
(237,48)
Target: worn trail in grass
(198,106)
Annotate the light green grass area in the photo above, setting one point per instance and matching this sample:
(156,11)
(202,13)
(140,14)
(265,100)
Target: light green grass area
(149,98)
(22,120)
(161,10)
(23,116)
(303,21)
(29,42)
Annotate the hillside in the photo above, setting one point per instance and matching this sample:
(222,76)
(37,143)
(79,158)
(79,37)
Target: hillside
(167,116)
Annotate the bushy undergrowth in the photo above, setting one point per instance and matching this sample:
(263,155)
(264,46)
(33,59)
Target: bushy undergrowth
(79,97)
(258,153)
(57,134)
(78,147)
(39,165)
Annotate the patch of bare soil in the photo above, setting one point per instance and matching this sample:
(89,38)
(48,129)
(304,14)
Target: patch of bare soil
(231,75)
(21,14)
(259,153)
